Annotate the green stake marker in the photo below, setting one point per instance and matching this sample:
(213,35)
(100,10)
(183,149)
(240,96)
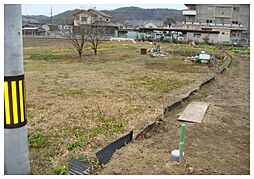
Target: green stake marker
(181,143)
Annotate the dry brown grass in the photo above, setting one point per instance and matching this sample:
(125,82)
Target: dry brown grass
(77,107)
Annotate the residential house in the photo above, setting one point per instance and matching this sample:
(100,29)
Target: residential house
(29,22)
(96,19)
(32,27)
(134,23)
(90,16)
(153,24)
(33,31)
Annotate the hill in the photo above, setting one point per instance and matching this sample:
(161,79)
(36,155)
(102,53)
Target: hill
(40,18)
(129,14)
(136,13)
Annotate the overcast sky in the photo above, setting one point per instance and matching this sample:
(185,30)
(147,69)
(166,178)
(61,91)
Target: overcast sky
(44,9)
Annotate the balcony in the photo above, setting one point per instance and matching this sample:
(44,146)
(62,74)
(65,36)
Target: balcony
(189,13)
(214,25)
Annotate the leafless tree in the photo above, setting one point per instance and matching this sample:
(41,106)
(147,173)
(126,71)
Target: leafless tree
(77,37)
(96,35)
(87,33)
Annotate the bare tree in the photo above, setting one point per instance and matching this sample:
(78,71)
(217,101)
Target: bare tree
(77,37)
(80,34)
(96,35)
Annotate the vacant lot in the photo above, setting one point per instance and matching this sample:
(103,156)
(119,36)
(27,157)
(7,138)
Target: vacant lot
(218,145)
(75,107)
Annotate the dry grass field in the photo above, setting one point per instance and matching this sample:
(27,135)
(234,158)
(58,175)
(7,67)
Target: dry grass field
(76,107)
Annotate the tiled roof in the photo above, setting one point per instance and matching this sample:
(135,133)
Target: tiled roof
(94,12)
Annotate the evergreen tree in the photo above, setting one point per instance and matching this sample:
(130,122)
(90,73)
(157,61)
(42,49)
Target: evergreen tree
(169,21)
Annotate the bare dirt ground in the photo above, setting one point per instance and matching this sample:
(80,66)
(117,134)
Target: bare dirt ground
(219,145)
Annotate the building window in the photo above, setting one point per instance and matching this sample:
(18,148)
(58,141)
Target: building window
(100,18)
(222,33)
(83,19)
(107,19)
(234,22)
(197,35)
(209,21)
(192,7)
(236,9)
(223,11)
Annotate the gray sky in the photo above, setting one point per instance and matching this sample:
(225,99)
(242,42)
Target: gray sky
(44,9)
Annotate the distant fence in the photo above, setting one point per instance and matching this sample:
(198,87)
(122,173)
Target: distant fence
(57,35)
(48,36)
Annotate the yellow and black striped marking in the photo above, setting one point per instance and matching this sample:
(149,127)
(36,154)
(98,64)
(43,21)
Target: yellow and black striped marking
(14,102)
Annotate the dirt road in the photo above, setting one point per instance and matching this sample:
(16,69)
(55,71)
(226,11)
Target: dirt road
(219,145)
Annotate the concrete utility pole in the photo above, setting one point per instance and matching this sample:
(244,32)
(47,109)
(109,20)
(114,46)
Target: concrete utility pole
(51,16)
(16,154)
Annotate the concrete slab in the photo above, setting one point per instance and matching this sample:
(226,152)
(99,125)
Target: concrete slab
(194,112)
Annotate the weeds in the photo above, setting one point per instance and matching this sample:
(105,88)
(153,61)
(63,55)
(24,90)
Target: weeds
(50,57)
(239,50)
(108,124)
(37,140)
(184,50)
(162,85)
(61,170)
(79,143)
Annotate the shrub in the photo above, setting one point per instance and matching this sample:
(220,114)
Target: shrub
(206,39)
